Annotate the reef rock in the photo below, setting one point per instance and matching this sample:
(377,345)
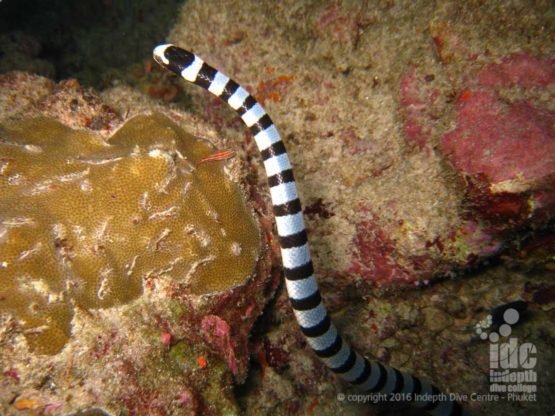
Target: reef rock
(386,123)
(376,103)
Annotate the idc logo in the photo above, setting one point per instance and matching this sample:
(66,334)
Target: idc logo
(512,364)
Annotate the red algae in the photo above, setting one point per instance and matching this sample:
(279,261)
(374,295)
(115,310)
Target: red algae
(374,255)
(502,142)
(217,332)
(419,99)
(520,69)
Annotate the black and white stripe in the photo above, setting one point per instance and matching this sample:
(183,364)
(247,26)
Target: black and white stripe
(311,314)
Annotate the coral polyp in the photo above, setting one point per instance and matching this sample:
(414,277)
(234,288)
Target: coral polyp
(84,221)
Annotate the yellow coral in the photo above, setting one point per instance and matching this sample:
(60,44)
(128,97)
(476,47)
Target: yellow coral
(83,221)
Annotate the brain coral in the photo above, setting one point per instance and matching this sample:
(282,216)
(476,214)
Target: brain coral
(85,221)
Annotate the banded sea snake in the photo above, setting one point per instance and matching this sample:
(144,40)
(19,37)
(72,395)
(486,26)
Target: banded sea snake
(369,376)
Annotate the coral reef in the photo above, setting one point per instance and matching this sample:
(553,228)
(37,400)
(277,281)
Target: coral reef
(85,222)
(404,122)
(124,251)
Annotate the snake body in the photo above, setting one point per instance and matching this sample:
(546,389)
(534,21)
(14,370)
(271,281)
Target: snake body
(369,376)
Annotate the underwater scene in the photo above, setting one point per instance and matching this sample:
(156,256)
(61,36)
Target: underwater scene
(356,216)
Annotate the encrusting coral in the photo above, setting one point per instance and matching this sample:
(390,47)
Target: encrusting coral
(86,221)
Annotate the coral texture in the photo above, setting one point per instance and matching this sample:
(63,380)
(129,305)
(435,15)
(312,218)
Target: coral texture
(86,221)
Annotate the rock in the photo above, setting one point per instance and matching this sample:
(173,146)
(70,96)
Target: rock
(436,320)
(363,97)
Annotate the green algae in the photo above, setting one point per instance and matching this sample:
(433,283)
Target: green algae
(85,222)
